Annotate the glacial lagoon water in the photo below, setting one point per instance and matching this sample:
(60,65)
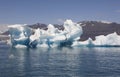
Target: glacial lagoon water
(60,62)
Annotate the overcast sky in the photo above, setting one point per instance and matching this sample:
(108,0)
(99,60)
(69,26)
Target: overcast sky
(56,11)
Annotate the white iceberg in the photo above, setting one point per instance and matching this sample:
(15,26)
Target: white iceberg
(52,37)
(23,36)
(112,39)
(19,34)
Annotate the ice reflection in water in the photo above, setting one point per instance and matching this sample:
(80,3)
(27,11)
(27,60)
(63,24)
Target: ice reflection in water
(60,62)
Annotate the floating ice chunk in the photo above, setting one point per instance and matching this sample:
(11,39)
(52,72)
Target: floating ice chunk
(112,39)
(22,36)
(52,37)
(19,34)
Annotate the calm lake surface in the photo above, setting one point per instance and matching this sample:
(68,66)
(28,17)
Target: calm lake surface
(60,62)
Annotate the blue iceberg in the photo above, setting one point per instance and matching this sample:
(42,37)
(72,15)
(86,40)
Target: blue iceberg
(52,37)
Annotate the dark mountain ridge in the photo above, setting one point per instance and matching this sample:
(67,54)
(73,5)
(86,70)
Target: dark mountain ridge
(96,28)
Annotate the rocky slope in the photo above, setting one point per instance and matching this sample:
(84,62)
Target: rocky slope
(96,28)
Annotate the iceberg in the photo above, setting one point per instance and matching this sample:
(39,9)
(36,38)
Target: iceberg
(112,39)
(109,40)
(19,34)
(24,36)
(52,37)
